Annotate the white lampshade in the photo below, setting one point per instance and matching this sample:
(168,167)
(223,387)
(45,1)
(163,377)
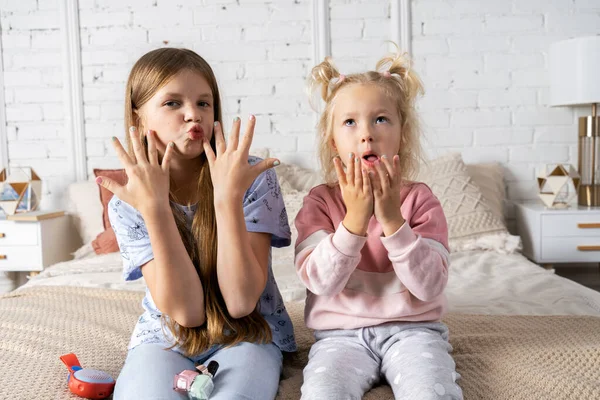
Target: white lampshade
(575,71)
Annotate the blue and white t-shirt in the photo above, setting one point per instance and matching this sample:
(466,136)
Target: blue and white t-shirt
(264,211)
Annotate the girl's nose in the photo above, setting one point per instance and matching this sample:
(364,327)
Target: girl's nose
(367,138)
(192,115)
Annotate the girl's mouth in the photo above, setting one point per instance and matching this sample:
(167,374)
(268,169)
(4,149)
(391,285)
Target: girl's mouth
(369,158)
(196,133)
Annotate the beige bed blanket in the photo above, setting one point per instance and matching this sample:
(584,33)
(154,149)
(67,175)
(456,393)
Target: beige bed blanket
(499,357)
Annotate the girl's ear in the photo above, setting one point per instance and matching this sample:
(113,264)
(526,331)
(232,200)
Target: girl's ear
(137,119)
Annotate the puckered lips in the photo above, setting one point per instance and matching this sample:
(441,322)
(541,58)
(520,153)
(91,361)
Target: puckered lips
(196,133)
(369,157)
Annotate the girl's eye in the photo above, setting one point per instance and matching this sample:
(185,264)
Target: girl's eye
(349,122)
(203,104)
(171,103)
(381,120)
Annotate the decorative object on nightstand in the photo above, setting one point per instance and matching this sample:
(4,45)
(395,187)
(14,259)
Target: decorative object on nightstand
(558,185)
(33,241)
(568,235)
(20,190)
(574,80)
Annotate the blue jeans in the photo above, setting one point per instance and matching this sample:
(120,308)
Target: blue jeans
(247,371)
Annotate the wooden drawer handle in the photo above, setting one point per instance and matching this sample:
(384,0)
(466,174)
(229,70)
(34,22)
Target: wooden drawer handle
(2,235)
(588,248)
(590,225)
(2,257)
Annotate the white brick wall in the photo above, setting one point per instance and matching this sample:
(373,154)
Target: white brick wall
(484,65)
(359,31)
(31,43)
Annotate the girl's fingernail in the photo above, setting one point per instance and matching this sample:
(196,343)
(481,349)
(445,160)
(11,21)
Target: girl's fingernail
(216,123)
(171,144)
(251,117)
(351,155)
(132,129)
(114,138)
(384,157)
(98,180)
(276,163)
(356,159)
(236,119)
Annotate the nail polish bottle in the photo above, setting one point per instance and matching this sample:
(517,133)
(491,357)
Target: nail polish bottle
(203,384)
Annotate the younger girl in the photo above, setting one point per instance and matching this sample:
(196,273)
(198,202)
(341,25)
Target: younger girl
(197,222)
(372,246)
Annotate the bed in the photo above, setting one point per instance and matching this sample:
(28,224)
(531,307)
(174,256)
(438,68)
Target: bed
(518,331)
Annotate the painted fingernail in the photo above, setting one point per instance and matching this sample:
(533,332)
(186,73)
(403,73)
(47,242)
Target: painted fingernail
(357,159)
(171,144)
(236,119)
(276,163)
(384,157)
(251,117)
(351,155)
(114,138)
(216,123)
(98,180)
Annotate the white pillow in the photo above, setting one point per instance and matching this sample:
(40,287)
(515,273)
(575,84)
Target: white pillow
(290,286)
(260,152)
(489,177)
(83,203)
(299,178)
(474,222)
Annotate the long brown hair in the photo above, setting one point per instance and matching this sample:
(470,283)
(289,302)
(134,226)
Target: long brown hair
(151,72)
(402,86)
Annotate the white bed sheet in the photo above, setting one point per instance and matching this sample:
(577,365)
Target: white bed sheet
(481,282)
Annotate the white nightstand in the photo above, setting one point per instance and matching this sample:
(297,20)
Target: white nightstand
(570,235)
(32,246)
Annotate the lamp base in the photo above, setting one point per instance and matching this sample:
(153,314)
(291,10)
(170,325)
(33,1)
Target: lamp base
(589,195)
(589,159)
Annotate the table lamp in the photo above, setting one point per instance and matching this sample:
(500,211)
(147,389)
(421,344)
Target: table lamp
(575,80)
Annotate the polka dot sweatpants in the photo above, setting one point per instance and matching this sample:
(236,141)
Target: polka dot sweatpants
(414,359)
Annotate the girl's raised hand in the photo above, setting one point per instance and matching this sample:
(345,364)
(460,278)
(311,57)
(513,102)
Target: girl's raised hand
(147,188)
(357,194)
(229,169)
(387,182)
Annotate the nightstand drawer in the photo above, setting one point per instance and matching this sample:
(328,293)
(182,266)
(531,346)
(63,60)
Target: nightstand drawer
(571,225)
(21,258)
(571,249)
(19,234)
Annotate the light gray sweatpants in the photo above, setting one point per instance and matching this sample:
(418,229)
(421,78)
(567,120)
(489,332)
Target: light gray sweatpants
(413,357)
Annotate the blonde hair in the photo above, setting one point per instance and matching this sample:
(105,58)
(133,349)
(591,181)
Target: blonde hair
(151,72)
(402,85)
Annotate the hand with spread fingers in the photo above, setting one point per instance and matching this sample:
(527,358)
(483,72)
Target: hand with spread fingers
(229,169)
(357,194)
(147,188)
(387,182)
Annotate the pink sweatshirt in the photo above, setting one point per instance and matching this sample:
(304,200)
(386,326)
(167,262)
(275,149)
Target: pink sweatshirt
(356,281)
